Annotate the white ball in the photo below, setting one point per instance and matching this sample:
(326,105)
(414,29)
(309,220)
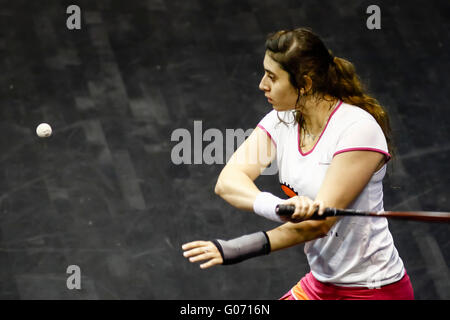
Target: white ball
(44,130)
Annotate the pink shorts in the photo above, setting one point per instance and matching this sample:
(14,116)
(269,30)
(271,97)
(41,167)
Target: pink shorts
(309,288)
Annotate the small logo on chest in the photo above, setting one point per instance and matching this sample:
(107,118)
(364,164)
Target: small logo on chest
(288,190)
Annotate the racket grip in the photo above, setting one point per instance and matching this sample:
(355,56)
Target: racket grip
(286,210)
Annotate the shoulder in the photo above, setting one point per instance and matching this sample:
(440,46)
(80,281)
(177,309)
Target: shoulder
(357,129)
(349,114)
(276,124)
(274,119)
(279,115)
(353,118)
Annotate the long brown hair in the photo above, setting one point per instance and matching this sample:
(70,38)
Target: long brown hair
(300,52)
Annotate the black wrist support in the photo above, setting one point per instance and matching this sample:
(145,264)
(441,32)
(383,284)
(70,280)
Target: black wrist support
(243,248)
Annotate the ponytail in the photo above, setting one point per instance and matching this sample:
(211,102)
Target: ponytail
(344,83)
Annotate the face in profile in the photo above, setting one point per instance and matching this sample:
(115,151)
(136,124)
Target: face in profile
(276,86)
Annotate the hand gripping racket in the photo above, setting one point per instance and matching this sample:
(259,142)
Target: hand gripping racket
(288,210)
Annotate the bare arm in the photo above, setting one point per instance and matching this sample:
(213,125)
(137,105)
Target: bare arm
(235,183)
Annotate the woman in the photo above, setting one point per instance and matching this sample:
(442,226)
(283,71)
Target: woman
(332,142)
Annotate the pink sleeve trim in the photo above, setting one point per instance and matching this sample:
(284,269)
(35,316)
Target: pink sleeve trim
(388,156)
(261,127)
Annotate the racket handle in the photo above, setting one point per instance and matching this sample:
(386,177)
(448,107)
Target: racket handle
(284,209)
(287,210)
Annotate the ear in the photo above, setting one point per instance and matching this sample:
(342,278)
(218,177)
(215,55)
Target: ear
(308,83)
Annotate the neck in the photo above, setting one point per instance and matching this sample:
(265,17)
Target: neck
(316,113)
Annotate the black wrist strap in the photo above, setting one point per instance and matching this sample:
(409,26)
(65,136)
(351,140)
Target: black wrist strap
(219,247)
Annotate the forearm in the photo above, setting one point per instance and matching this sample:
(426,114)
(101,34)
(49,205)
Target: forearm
(259,243)
(291,234)
(237,189)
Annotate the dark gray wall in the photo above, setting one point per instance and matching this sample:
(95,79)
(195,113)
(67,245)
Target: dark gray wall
(102,193)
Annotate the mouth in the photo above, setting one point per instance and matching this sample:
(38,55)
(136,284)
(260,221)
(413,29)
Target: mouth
(268,99)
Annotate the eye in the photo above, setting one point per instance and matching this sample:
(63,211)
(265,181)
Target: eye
(269,75)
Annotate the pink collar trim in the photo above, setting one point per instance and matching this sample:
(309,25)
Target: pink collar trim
(323,131)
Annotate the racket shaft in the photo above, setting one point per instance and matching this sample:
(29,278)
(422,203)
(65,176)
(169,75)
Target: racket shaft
(288,210)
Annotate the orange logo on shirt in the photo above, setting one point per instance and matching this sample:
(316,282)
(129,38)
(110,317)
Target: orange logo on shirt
(288,190)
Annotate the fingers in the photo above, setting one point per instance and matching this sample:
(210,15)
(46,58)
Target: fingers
(305,208)
(202,250)
(197,253)
(321,207)
(199,257)
(211,263)
(194,244)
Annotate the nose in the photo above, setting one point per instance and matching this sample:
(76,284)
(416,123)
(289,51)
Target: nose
(263,84)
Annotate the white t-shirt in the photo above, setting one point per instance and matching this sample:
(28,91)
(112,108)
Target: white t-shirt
(358,251)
